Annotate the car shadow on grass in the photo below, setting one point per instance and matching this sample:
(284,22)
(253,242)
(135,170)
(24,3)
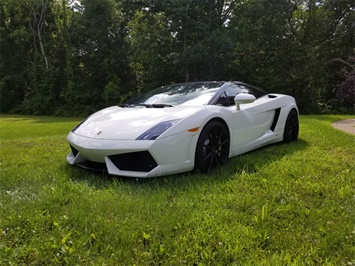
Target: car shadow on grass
(248,163)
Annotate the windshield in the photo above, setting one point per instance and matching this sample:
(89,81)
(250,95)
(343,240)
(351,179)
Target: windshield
(196,93)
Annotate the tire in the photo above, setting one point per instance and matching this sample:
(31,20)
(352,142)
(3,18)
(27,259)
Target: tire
(291,127)
(212,149)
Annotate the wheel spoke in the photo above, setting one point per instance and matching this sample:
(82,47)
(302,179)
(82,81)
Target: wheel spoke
(219,159)
(208,156)
(211,162)
(224,142)
(212,139)
(222,151)
(220,135)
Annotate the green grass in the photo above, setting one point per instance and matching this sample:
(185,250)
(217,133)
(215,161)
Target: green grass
(280,205)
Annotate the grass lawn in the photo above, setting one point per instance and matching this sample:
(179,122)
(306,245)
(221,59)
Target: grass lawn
(288,204)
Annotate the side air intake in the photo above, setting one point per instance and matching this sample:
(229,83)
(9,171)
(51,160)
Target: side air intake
(276,118)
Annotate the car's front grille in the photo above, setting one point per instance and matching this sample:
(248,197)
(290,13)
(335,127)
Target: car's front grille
(136,161)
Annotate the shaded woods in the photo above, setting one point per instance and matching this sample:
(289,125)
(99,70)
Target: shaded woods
(67,57)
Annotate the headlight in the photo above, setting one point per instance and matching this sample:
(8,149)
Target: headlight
(157,130)
(78,125)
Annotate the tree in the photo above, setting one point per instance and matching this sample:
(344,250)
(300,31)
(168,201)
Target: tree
(345,93)
(152,49)
(73,57)
(97,60)
(15,44)
(38,11)
(186,40)
(284,46)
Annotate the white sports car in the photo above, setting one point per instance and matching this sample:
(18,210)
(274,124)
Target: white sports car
(181,127)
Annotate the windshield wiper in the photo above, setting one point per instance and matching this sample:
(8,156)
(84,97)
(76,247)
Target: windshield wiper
(154,105)
(158,105)
(126,105)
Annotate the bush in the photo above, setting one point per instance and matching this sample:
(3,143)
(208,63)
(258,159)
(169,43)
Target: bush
(345,94)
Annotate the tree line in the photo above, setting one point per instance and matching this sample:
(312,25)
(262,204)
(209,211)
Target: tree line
(71,57)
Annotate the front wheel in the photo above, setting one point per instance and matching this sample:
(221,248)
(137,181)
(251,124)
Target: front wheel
(291,127)
(212,147)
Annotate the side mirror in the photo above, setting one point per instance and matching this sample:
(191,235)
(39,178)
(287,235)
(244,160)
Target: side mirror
(243,98)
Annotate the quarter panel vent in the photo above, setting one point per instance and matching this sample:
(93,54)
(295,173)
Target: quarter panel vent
(276,118)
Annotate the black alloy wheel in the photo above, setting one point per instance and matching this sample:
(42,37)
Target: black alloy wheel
(212,147)
(291,127)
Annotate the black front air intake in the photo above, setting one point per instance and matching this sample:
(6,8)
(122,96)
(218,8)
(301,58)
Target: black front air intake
(136,161)
(74,151)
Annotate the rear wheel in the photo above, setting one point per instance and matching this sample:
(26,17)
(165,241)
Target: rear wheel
(212,147)
(291,127)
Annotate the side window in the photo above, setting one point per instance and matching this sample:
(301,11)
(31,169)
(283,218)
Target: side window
(223,100)
(233,90)
(227,98)
(228,95)
(257,93)
(245,89)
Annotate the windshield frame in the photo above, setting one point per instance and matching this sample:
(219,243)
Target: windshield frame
(218,89)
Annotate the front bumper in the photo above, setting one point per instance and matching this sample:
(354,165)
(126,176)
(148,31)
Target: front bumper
(135,158)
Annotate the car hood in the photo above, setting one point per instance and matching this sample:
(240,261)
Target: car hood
(129,123)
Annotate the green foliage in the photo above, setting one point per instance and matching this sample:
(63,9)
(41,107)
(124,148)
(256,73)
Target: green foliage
(72,57)
(280,205)
(152,49)
(288,50)
(345,94)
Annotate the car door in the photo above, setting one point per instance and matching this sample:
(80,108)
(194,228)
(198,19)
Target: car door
(252,121)
(249,124)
